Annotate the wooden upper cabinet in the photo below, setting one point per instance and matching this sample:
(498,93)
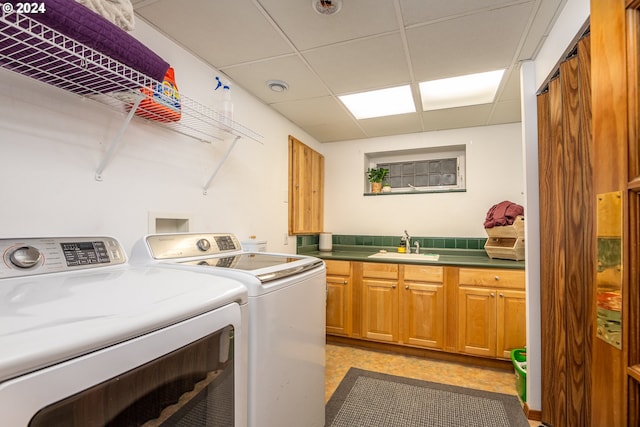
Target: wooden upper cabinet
(306,189)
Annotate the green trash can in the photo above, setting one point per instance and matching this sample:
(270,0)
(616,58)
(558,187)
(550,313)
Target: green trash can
(519,359)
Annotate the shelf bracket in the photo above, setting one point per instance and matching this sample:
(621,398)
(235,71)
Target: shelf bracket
(217,169)
(116,141)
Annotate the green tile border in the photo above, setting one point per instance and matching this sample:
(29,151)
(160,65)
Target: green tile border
(306,242)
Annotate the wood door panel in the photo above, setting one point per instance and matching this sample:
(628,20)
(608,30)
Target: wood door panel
(338,305)
(306,189)
(424,273)
(338,268)
(380,270)
(574,207)
(380,310)
(567,209)
(492,277)
(423,315)
(477,321)
(511,322)
(610,69)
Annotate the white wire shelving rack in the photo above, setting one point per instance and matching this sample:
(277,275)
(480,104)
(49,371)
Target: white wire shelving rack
(32,49)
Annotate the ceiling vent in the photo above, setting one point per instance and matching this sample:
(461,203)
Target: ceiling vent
(326,7)
(277,85)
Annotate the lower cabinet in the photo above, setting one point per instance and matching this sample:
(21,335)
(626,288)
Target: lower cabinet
(491,312)
(422,305)
(339,297)
(403,304)
(380,302)
(416,305)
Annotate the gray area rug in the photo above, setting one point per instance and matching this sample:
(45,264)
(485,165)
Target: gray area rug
(371,399)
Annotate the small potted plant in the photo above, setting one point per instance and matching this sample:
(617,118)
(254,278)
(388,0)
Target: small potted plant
(375,177)
(386,187)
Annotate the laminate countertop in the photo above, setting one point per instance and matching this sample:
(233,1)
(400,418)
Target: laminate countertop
(450,257)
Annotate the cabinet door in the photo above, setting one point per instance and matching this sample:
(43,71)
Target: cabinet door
(511,322)
(338,305)
(316,219)
(380,310)
(477,321)
(492,278)
(422,309)
(306,188)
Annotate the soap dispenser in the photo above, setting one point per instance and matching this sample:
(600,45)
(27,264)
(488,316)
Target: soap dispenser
(402,247)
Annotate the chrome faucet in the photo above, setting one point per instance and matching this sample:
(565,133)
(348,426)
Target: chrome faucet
(417,246)
(407,242)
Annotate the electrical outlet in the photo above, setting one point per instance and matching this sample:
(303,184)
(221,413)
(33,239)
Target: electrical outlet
(286,239)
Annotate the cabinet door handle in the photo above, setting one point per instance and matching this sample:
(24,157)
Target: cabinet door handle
(497,278)
(345,282)
(501,295)
(393,286)
(406,287)
(492,294)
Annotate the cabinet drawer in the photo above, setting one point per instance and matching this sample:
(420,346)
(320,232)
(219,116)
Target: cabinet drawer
(424,273)
(493,278)
(338,268)
(380,271)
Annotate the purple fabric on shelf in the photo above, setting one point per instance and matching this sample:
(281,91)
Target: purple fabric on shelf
(62,67)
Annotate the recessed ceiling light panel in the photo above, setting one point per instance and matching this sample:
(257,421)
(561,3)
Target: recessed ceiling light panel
(472,89)
(379,103)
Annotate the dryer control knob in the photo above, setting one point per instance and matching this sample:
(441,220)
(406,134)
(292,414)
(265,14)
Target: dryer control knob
(204,245)
(25,257)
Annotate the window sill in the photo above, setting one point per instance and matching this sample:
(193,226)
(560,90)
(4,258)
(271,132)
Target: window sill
(396,193)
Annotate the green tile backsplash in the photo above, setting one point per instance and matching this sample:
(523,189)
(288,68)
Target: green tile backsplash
(425,242)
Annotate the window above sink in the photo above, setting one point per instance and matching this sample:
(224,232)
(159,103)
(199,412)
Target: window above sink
(422,170)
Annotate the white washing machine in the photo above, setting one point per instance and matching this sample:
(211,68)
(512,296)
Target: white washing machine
(86,339)
(287,300)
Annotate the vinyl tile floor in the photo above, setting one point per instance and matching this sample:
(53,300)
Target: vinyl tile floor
(340,358)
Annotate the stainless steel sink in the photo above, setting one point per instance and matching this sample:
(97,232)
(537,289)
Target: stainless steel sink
(405,256)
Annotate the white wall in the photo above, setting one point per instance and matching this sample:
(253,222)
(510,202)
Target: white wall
(494,173)
(51,143)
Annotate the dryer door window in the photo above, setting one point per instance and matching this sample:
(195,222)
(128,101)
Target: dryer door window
(193,385)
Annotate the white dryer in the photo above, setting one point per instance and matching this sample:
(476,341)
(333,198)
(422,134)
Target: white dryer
(86,339)
(287,312)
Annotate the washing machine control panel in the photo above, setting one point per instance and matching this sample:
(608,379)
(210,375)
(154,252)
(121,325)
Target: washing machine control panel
(184,245)
(26,257)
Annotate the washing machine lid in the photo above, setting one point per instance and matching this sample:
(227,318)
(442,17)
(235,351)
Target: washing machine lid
(264,266)
(49,318)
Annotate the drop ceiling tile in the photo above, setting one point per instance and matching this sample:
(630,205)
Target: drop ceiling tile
(540,27)
(392,125)
(511,89)
(302,82)
(222,32)
(314,111)
(481,42)
(417,11)
(455,118)
(323,118)
(336,132)
(371,63)
(506,112)
(307,29)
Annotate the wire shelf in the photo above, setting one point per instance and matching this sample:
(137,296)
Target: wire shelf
(37,51)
